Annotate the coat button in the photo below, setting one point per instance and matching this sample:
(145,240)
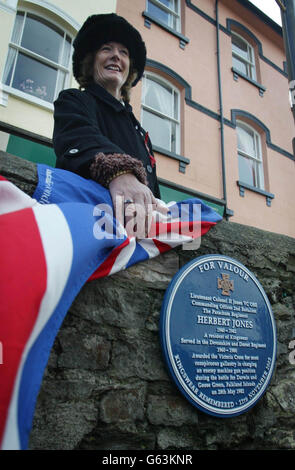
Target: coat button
(73,151)
(149,168)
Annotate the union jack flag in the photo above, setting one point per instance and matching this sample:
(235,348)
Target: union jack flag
(50,246)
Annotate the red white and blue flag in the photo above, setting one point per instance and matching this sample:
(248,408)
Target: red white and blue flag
(50,246)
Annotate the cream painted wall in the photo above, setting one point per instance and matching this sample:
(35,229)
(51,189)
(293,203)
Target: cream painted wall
(80,10)
(6,20)
(27,116)
(21,112)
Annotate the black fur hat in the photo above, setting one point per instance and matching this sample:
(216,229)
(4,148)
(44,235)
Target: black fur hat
(99,29)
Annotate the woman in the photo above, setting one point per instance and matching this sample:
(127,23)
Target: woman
(96,134)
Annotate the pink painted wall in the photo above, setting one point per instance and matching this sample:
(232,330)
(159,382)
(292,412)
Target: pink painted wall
(197,65)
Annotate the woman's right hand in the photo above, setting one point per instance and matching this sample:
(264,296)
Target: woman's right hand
(134,203)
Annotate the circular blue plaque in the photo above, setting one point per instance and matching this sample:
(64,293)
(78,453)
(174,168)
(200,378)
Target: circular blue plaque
(218,335)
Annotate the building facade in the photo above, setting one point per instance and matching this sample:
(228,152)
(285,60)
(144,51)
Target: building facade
(214,98)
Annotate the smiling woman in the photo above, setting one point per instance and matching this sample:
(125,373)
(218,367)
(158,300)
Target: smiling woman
(96,134)
(111,67)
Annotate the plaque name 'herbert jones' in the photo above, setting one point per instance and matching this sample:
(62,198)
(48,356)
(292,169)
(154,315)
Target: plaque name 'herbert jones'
(218,335)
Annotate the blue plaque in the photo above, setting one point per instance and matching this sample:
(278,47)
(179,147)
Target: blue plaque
(218,335)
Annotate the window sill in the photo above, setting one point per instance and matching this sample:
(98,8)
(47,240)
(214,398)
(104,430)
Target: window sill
(183,161)
(148,19)
(243,186)
(237,74)
(3,96)
(6,90)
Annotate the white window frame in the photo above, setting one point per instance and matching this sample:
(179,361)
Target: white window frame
(250,61)
(174,18)
(176,96)
(41,59)
(257,157)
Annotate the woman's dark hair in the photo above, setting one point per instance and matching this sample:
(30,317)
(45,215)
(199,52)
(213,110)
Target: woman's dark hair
(86,75)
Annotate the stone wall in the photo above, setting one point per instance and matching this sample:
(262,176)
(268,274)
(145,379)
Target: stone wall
(106,385)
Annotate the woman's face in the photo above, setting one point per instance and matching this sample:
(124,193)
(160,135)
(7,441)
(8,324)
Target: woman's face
(111,66)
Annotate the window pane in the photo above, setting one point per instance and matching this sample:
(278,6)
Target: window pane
(159,97)
(240,47)
(176,114)
(17,29)
(173,137)
(158,13)
(240,65)
(61,77)
(34,78)
(246,141)
(257,147)
(9,66)
(168,3)
(66,55)
(252,69)
(158,128)
(164,16)
(42,39)
(247,171)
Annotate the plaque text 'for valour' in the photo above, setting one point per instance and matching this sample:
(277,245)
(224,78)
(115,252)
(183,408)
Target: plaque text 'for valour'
(218,335)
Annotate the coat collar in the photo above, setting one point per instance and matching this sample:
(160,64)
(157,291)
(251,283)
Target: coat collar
(99,92)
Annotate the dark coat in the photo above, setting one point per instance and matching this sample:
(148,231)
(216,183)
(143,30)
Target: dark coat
(92,121)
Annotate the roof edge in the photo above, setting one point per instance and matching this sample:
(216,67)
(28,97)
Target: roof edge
(265,18)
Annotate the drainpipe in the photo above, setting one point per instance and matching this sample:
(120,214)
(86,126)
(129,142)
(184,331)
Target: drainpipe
(288,27)
(227,212)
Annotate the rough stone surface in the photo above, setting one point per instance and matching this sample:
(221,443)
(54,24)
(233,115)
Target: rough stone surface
(106,385)
(19,171)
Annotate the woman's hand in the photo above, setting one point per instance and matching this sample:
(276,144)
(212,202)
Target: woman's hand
(133,204)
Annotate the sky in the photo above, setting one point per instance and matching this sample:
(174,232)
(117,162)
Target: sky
(270,7)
